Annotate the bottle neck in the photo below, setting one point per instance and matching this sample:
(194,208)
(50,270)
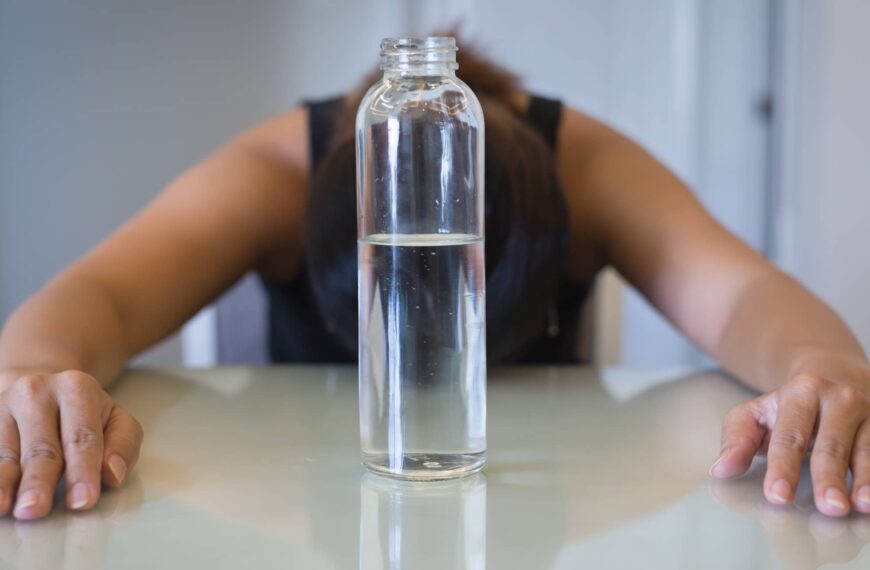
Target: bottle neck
(416,57)
(419,71)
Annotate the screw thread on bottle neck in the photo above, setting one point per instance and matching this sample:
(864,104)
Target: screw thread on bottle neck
(411,56)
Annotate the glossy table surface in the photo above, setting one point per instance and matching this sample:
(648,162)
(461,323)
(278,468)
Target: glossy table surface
(258,468)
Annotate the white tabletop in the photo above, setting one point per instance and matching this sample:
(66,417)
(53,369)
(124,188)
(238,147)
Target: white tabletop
(258,468)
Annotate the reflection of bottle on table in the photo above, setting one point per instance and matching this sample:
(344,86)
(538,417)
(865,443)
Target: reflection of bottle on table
(423,526)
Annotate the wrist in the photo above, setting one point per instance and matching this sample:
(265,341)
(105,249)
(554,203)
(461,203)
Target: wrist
(833,363)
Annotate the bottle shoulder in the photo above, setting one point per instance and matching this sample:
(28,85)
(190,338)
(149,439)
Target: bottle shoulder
(439,97)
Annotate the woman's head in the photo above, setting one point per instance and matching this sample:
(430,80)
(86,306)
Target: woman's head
(525,220)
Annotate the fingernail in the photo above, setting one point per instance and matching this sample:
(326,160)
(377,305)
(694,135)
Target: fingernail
(714,469)
(27,500)
(80,496)
(835,498)
(118,467)
(864,495)
(780,491)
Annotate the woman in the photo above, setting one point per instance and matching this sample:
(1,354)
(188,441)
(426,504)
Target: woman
(566,196)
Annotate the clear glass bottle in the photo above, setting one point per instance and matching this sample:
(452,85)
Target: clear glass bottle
(422,344)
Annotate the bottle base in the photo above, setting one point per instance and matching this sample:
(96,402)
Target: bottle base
(425,466)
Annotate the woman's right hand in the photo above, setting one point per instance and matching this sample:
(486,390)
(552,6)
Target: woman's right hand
(61,424)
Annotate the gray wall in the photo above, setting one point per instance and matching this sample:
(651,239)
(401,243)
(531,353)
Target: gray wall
(823,166)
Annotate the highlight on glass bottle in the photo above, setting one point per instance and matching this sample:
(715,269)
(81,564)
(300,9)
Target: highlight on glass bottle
(422,343)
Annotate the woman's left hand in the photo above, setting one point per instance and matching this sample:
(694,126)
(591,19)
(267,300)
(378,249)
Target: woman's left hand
(823,407)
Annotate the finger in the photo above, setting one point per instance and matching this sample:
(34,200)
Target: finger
(861,468)
(741,437)
(36,414)
(829,462)
(81,427)
(789,439)
(10,469)
(765,443)
(123,436)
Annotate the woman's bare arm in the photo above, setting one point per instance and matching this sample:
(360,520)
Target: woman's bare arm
(758,322)
(240,209)
(721,293)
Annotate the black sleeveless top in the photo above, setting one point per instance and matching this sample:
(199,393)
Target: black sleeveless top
(297,333)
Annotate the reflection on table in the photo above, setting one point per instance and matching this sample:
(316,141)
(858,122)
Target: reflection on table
(435,525)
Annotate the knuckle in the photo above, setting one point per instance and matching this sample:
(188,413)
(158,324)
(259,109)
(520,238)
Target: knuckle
(735,412)
(8,455)
(132,431)
(736,441)
(831,449)
(861,451)
(128,440)
(30,387)
(106,401)
(789,439)
(83,438)
(848,397)
(43,451)
(138,431)
(740,411)
(76,384)
(807,384)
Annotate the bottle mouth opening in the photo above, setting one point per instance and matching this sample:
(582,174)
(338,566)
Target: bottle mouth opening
(416,52)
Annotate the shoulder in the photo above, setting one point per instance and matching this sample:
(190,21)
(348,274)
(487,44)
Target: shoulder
(281,144)
(582,144)
(581,133)
(283,138)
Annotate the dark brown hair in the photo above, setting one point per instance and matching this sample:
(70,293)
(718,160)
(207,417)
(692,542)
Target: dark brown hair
(525,219)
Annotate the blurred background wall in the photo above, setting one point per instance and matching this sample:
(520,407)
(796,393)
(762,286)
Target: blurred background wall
(104,102)
(822,159)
